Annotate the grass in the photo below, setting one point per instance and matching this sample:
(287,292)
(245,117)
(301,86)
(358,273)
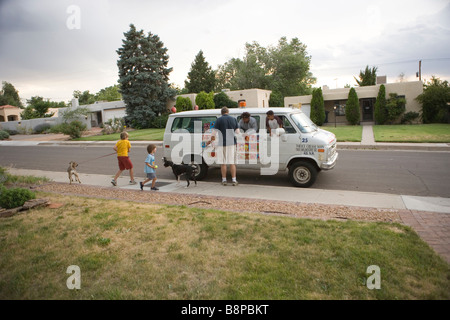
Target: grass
(13,180)
(422,133)
(128,250)
(135,135)
(346,133)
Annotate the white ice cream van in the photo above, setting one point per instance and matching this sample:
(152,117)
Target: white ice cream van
(299,147)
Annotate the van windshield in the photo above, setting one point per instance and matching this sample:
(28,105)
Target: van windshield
(304,123)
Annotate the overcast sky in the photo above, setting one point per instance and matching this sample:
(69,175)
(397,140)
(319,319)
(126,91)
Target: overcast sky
(46,50)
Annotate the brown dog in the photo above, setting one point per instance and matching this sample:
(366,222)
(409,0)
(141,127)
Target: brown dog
(71,170)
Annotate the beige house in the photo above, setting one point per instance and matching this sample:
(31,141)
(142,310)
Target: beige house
(252,98)
(366,95)
(9,113)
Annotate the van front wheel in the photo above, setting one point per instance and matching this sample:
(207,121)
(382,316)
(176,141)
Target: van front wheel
(302,174)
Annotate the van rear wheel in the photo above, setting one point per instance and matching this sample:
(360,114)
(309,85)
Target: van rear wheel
(302,174)
(200,170)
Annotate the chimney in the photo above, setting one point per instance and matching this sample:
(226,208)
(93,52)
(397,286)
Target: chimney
(75,103)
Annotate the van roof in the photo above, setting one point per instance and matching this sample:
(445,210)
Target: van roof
(234,111)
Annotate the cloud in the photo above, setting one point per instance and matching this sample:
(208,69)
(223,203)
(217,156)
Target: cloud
(41,56)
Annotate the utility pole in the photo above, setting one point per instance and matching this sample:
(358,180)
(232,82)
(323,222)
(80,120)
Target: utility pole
(420,70)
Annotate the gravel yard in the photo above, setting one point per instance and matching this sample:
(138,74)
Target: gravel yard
(314,211)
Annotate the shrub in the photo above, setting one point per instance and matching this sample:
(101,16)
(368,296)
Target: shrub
(183,104)
(113,126)
(43,127)
(434,101)
(317,107)
(74,129)
(4,135)
(15,197)
(222,100)
(57,128)
(395,106)
(352,112)
(276,99)
(12,132)
(410,117)
(205,100)
(380,106)
(159,122)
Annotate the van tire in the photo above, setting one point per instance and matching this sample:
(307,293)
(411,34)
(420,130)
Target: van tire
(201,170)
(302,174)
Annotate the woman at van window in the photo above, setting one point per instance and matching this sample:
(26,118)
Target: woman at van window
(273,121)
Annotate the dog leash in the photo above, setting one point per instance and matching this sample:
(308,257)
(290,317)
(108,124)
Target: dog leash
(97,158)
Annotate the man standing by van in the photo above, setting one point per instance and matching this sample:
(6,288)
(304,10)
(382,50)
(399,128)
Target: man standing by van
(226,148)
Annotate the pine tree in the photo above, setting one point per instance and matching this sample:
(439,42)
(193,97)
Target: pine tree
(317,107)
(380,106)
(143,77)
(352,112)
(201,77)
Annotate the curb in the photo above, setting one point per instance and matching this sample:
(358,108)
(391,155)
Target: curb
(396,146)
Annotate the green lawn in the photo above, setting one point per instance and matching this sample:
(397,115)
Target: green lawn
(412,133)
(135,135)
(346,133)
(128,250)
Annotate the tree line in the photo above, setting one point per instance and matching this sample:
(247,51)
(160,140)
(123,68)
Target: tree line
(38,107)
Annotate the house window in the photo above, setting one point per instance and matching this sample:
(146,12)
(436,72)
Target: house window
(340,108)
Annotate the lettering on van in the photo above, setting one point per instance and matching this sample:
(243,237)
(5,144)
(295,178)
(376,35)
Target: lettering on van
(308,149)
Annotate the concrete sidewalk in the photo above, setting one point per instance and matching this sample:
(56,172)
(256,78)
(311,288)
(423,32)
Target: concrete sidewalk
(253,191)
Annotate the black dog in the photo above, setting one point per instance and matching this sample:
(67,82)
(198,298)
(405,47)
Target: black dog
(180,169)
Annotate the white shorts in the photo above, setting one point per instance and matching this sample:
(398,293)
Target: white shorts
(226,154)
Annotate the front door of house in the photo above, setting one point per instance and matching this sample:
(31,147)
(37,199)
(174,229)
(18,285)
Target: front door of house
(367,109)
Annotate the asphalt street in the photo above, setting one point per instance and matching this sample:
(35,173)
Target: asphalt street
(396,172)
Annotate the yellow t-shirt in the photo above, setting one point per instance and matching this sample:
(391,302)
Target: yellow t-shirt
(122,148)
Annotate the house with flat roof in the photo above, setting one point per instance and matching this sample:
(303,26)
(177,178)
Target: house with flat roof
(366,95)
(250,98)
(9,113)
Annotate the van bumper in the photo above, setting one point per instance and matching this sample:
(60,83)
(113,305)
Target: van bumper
(330,164)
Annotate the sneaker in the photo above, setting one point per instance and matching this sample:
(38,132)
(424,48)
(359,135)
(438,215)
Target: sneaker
(141,185)
(155,189)
(133,182)
(224,182)
(235,183)
(114,182)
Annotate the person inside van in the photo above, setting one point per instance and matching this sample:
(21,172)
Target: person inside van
(273,121)
(248,124)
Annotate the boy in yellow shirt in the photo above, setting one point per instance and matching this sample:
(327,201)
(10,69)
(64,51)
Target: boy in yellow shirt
(122,148)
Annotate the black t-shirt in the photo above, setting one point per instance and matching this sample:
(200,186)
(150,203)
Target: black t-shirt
(226,125)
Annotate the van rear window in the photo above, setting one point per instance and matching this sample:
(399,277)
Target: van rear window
(188,123)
